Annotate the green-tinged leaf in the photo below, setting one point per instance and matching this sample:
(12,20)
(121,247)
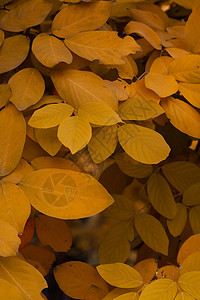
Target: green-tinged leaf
(191,245)
(13,52)
(181,174)
(194,219)
(103,143)
(106,46)
(184,296)
(23,276)
(98,114)
(79,87)
(162,289)
(47,139)
(190,283)
(128,296)
(120,275)
(5,94)
(74,133)
(177,224)
(9,240)
(143,144)
(115,246)
(12,138)
(81,17)
(50,115)
(191,263)
(160,196)
(152,233)
(65,194)
(191,195)
(191,91)
(138,108)
(27,87)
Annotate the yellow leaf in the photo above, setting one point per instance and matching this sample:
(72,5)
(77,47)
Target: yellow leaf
(103,143)
(128,296)
(150,18)
(138,108)
(138,89)
(81,17)
(46,162)
(65,194)
(25,14)
(117,292)
(181,174)
(127,70)
(106,46)
(147,268)
(191,92)
(177,52)
(190,283)
(119,87)
(2,36)
(50,51)
(50,115)
(184,296)
(191,263)
(120,275)
(9,291)
(47,139)
(80,278)
(182,116)
(191,195)
(13,52)
(152,233)
(79,87)
(9,240)
(54,232)
(23,168)
(177,224)
(160,196)
(23,276)
(27,87)
(186,68)
(192,29)
(164,289)
(14,205)
(194,219)
(143,144)
(46,99)
(169,271)
(74,133)
(12,138)
(191,245)
(98,114)
(145,31)
(5,94)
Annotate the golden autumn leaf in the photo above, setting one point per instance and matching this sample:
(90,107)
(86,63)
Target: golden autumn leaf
(23,276)
(9,240)
(143,144)
(191,245)
(5,94)
(79,87)
(2,36)
(50,51)
(47,139)
(184,296)
(128,296)
(65,194)
(81,17)
(106,46)
(46,99)
(12,138)
(182,116)
(191,263)
(13,52)
(138,89)
(80,278)
(191,195)
(147,268)
(19,172)
(177,224)
(9,291)
(191,92)
(194,219)
(192,30)
(127,70)
(46,162)
(27,87)
(169,271)
(119,87)
(54,232)
(190,283)
(152,232)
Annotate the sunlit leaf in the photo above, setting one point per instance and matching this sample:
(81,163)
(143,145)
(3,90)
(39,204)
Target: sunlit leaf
(191,263)
(192,30)
(8,290)
(184,296)
(191,245)
(190,283)
(9,240)
(47,139)
(128,296)
(191,92)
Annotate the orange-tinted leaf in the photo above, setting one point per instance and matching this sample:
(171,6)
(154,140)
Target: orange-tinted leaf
(28,232)
(191,245)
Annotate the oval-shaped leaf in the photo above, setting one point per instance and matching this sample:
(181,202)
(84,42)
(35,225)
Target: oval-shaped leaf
(191,91)
(147,268)
(191,245)
(191,263)
(194,219)
(190,283)
(48,140)
(177,224)
(191,195)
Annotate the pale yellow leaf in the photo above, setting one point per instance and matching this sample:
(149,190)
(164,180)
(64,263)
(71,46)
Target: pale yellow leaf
(194,219)
(160,196)
(46,162)
(120,275)
(191,245)
(51,115)
(177,224)
(27,87)
(50,51)
(143,144)
(128,296)
(182,116)
(75,133)
(80,278)
(65,194)
(191,263)
(5,94)
(181,174)
(191,195)
(127,70)
(191,92)
(163,289)
(13,52)
(19,172)
(12,138)
(47,139)
(169,271)
(81,17)
(152,232)
(9,291)
(145,31)
(190,283)
(147,268)
(9,240)
(106,46)
(23,276)
(79,87)
(184,296)
(192,29)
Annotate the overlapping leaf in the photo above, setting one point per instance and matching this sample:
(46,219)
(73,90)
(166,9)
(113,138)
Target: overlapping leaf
(191,92)
(191,195)
(48,140)
(5,94)
(9,240)
(190,283)
(177,224)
